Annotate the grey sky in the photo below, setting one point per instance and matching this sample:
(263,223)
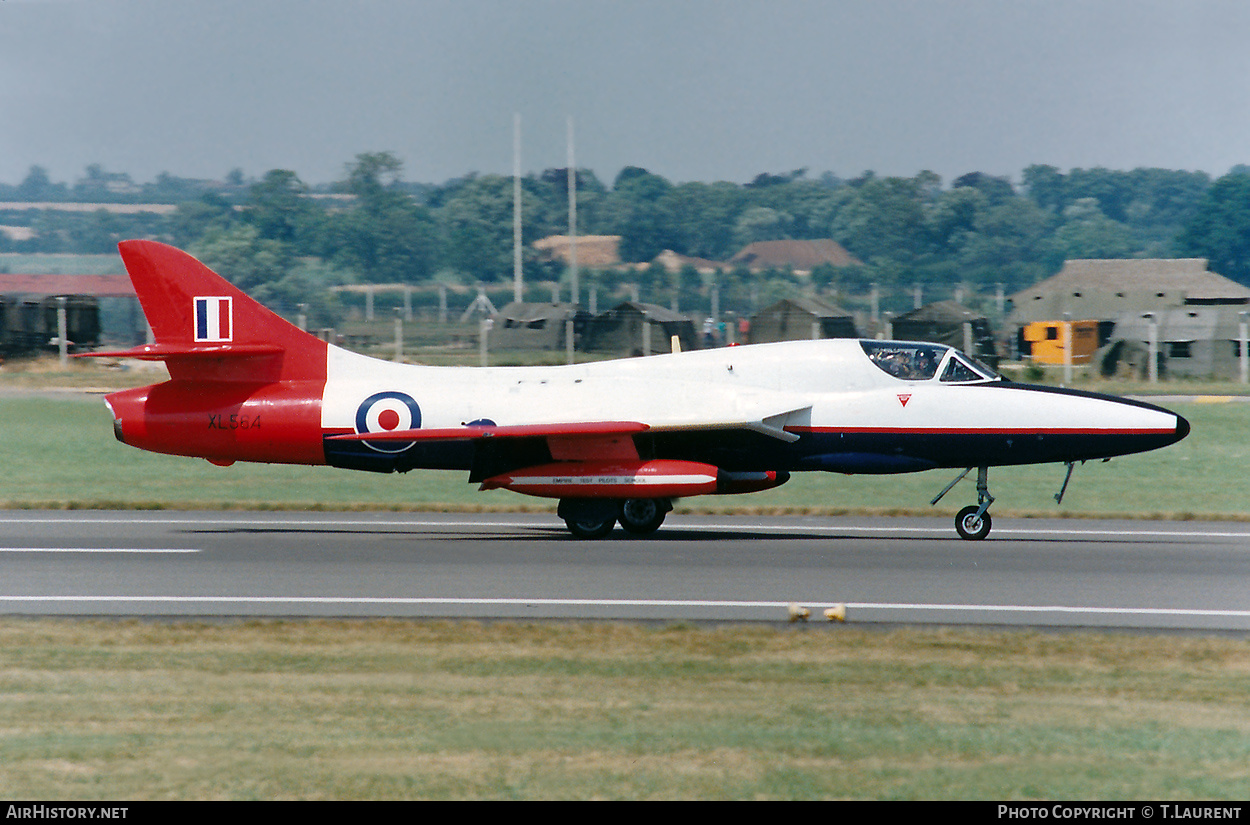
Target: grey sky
(690,89)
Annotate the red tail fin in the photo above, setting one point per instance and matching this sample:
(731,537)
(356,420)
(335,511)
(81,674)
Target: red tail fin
(207,328)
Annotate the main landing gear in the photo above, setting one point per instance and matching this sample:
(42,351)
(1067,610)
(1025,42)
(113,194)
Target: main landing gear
(973,522)
(594,518)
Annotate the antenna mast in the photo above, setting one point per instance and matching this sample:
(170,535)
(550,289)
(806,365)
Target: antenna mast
(517,286)
(573,217)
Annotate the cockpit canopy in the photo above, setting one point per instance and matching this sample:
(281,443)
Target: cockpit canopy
(914,361)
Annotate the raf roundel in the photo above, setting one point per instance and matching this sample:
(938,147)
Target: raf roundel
(386,412)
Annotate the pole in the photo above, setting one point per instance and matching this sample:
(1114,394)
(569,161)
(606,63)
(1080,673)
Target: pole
(1067,349)
(399,335)
(518,288)
(1242,356)
(62,331)
(1152,345)
(573,219)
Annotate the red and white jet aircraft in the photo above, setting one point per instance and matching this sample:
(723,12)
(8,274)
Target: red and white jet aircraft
(614,441)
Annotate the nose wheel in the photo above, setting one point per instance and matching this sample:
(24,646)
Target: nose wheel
(973,522)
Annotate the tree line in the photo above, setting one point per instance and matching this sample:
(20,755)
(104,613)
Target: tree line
(284,240)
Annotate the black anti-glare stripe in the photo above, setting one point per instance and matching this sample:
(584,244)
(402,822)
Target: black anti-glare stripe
(1099,396)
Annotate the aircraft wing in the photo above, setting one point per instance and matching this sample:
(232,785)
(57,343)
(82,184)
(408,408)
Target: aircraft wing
(770,425)
(473,432)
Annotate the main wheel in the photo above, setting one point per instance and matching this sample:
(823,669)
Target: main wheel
(589,527)
(642,516)
(970,526)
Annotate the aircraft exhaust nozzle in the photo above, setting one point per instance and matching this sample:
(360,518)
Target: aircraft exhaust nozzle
(117,421)
(728,482)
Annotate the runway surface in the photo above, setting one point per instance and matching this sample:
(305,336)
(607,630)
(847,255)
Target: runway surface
(1072,573)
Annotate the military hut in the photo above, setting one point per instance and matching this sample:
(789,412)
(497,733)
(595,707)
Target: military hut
(96,307)
(800,256)
(29,323)
(533,325)
(1105,290)
(639,329)
(1191,341)
(794,319)
(950,323)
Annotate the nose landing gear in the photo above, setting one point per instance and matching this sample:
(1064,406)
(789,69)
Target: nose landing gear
(973,522)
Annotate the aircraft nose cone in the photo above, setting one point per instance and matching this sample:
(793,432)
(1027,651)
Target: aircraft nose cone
(1182,427)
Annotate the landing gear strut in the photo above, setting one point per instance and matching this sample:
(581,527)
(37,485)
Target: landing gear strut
(973,522)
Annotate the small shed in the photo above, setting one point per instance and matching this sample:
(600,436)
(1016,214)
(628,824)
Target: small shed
(29,323)
(638,328)
(1046,342)
(97,307)
(532,325)
(795,319)
(950,323)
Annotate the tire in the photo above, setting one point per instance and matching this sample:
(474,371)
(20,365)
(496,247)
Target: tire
(589,527)
(642,516)
(969,526)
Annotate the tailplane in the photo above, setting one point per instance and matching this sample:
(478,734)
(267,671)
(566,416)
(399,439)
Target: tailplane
(208,329)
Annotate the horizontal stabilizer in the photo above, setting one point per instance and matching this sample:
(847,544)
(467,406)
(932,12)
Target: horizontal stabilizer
(159,352)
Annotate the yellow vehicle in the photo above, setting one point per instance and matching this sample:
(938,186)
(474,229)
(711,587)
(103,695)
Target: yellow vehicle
(1044,341)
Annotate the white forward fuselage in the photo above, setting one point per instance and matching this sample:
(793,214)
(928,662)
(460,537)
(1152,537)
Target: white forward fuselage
(849,414)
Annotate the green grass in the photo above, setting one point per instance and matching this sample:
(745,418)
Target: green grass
(423,710)
(61,453)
